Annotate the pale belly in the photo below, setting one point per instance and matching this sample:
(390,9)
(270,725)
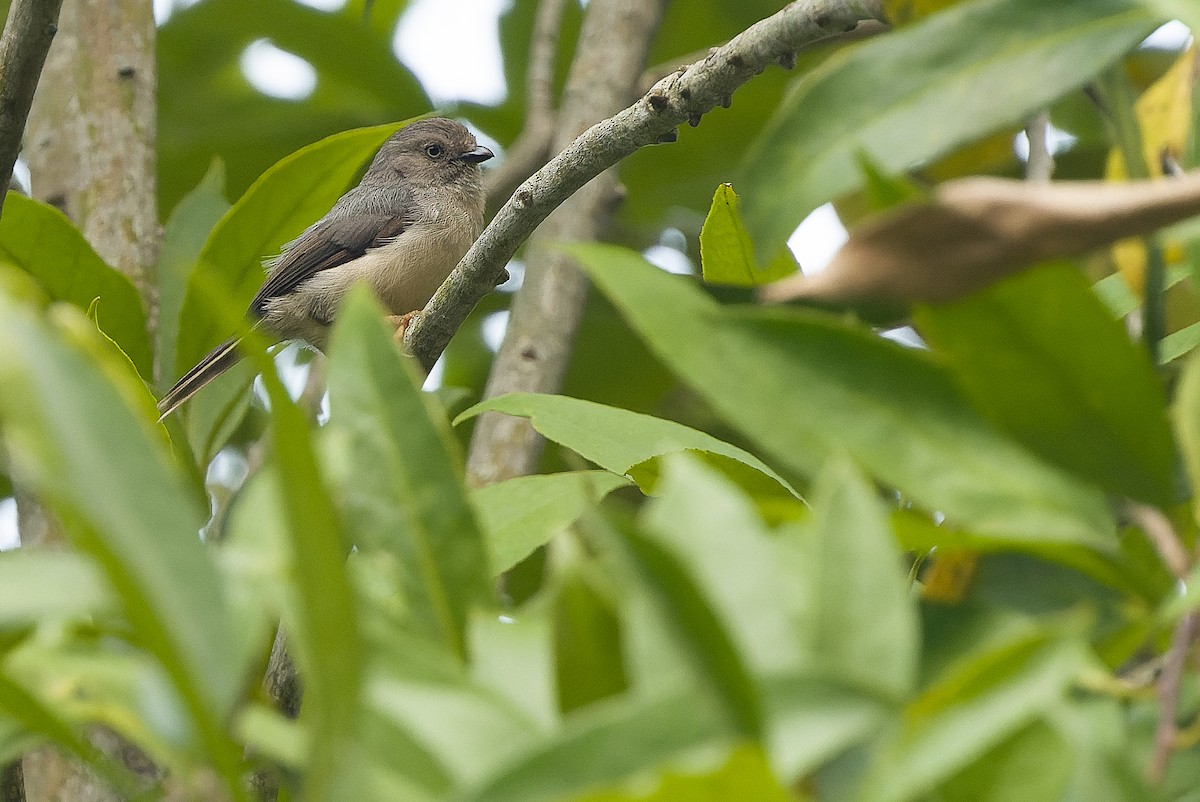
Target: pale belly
(404,275)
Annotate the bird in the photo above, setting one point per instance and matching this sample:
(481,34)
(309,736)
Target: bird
(401,230)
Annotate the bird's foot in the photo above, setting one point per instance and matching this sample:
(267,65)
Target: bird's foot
(402,322)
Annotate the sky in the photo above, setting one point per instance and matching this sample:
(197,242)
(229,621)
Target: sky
(467,67)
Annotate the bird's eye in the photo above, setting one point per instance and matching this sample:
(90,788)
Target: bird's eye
(434,151)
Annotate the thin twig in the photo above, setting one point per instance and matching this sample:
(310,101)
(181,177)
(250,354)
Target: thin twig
(1161,535)
(684,96)
(532,146)
(28,32)
(1039,167)
(1168,695)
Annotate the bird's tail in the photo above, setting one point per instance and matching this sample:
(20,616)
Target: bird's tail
(216,362)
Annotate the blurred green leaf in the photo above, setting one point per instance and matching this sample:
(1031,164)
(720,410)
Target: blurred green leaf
(726,253)
(1040,356)
(972,708)
(745,774)
(813,719)
(324,633)
(973,68)
(404,491)
(66,426)
(1032,765)
(183,236)
(286,199)
(714,530)
(615,439)
(605,745)
(588,657)
(513,655)
(208,108)
(43,585)
(521,514)
(44,244)
(1185,414)
(894,410)
(471,731)
(704,638)
(864,622)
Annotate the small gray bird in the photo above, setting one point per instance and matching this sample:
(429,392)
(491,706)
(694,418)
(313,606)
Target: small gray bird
(402,230)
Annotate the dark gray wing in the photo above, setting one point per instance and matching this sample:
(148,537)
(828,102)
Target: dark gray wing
(329,243)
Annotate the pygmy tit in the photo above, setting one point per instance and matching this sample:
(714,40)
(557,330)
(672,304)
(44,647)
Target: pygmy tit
(402,230)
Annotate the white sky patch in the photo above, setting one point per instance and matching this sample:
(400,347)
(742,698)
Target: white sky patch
(494,327)
(324,5)
(465,66)
(1171,36)
(816,240)
(1057,139)
(277,72)
(8,524)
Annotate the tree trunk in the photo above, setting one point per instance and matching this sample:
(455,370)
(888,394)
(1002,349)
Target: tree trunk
(90,147)
(613,46)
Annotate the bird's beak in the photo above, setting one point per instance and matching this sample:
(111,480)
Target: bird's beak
(480,154)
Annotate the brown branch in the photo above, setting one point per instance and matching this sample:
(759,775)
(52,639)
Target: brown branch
(28,32)
(614,42)
(1161,534)
(682,97)
(532,146)
(1168,694)
(1039,166)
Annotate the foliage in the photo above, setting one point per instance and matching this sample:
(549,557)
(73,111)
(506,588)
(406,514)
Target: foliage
(773,555)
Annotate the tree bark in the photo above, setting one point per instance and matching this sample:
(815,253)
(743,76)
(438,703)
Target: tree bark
(613,46)
(28,32)
(90,146)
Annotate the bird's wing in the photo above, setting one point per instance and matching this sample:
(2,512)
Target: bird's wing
(329,243)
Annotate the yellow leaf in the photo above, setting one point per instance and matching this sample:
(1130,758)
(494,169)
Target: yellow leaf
(1164,113)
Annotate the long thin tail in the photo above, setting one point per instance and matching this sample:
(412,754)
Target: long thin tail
(216,362)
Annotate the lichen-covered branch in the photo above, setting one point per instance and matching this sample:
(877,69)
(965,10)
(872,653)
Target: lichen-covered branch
(684,96)
(614,43)
(28,32)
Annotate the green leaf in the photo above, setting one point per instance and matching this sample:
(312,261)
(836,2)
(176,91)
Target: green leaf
(615,439)
(973,708)
(742,568)
(183,236)
(471,731)
(864,621)
(805,385)
(587,644)
(520,515)
(38,586)
(40,241)
(974,68)
(403,490)
(813,719)
(286,199)
(1032,765)
(66,427)
(1040,356)
(609,744)
(726,253)
(744,774)
(703,637)
(1185,414)
(208,107)
(324,633)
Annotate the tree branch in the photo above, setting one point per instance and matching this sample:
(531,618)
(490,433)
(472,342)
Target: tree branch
(28,32)
(532,146)
(684,96)
(614,43)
